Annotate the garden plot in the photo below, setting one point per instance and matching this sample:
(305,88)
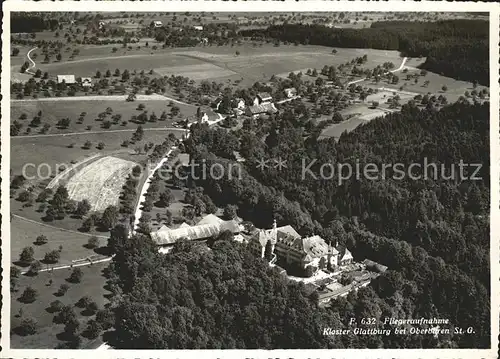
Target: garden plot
(100,182)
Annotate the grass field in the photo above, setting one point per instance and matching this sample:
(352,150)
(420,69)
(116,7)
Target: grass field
(52,112)
(100,182)
(24,233)
(92,285)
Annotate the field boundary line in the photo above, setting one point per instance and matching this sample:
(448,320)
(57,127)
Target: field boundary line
(58,228)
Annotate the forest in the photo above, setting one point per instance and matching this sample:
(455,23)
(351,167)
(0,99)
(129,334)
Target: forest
(453,48)
(432,233)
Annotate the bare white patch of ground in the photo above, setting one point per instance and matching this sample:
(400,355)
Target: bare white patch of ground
(100,182)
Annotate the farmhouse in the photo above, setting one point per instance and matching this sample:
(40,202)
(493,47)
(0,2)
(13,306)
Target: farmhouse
(198,27)
(156,24)
(209,226)
(68,79)
(262,97)
(238,106)
(262,109)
